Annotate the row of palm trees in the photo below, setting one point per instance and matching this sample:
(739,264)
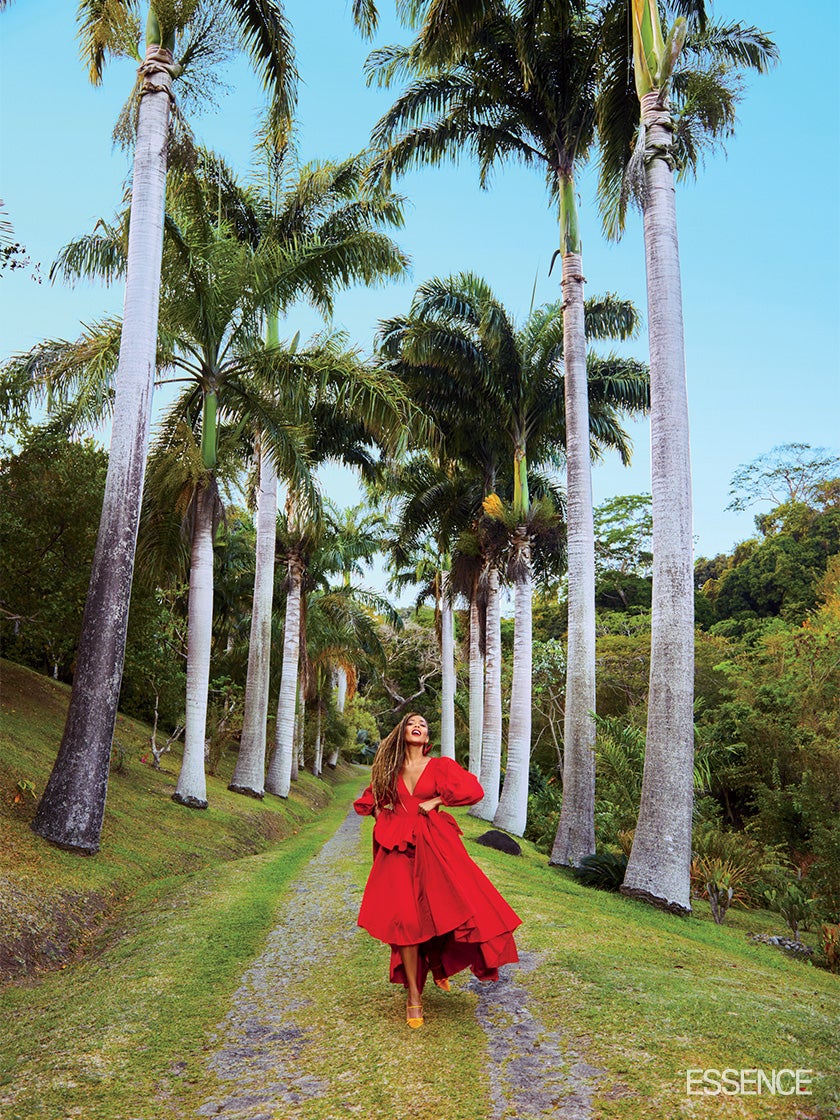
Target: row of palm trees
(542,81)
(232,259)
(498,398)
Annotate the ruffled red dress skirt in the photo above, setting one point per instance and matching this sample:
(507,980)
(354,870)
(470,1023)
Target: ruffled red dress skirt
(425,890)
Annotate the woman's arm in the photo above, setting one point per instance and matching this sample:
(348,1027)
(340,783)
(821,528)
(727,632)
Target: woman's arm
(365,806)
(455,785)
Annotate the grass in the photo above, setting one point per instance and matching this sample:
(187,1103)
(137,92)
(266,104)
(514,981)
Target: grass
(124,1033)
(651,995)
(54,902)
(124,1029)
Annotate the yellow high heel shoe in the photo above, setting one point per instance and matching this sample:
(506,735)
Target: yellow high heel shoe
(443,984)
(414,1021)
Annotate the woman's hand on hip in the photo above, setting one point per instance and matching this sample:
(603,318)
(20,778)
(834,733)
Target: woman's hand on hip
(426,807)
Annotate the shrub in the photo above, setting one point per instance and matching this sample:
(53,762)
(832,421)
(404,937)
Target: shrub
(544,803)
(604,870)
(830,946)
(791,902)
(757,866)
(721,881)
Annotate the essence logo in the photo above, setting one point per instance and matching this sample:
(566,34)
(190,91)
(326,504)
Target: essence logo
(748,1082)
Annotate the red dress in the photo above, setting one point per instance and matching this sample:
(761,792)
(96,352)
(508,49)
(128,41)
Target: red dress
(424,889)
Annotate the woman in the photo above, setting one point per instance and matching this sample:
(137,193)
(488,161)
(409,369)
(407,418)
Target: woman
(425,897)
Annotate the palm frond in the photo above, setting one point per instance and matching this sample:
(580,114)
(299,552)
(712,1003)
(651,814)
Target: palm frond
(107,28)
(101,255)
(268,40)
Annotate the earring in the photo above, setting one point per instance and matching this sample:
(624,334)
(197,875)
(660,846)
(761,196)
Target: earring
(426,748)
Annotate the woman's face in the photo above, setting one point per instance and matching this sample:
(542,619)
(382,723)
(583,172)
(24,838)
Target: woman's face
(416,731)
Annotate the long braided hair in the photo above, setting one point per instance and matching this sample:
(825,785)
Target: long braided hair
(388,763)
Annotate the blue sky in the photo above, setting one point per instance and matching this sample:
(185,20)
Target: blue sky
(759,231)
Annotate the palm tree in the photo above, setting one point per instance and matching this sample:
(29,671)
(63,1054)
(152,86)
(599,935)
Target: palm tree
(360,536)
(310,553)
(444,498)
(658,867)
(71,809)
(347,421)
(511,83)
(298,537)
(182,490)
(321,205)
(342,630)
(468,570)
(458,333)
(436,499)
(216,289)
(249,773)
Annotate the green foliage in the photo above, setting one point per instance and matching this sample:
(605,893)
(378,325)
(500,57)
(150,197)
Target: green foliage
(119,755)
(823,876)
(224,719)
(623,560)
(791,902)
(604,870)
(411,676)
(550,619)
(794,473)
(778,576)
(50,501)
(361,730)
(545,799)
(722,881)
(752,865)
(23,790)
(781,715)
(549,695)
(154,676)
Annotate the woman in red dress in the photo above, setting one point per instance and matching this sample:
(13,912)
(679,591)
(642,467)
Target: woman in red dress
(425,897)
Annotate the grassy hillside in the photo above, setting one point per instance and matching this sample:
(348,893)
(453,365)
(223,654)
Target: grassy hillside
(125,1029)
(53,902)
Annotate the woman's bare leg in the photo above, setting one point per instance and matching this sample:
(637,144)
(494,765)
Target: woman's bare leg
(408,956)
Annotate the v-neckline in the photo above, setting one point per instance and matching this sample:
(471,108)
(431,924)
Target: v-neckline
(411,792)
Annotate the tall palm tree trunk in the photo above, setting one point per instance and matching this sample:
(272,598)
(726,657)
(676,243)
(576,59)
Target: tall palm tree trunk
(476,686)
(279,776)
(491,735)
(447,660)
(512,813)
(576,831)
(340,688)
(298,760)
(340,678)
(319,741)
(658,868)
(297,751)
(249,773)
(72,808)
(192,786)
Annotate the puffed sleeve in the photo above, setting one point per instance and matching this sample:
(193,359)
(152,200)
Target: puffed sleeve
(364,805)
(456,785)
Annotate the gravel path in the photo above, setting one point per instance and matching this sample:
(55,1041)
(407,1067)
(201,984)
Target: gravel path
(534,1073)
(260,1051)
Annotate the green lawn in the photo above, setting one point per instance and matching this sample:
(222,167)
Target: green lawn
(182,901)
(54,901)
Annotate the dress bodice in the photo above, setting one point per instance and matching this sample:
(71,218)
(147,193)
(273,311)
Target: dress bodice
(442,777)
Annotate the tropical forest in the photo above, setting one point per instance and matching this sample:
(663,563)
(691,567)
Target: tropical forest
(386,397)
